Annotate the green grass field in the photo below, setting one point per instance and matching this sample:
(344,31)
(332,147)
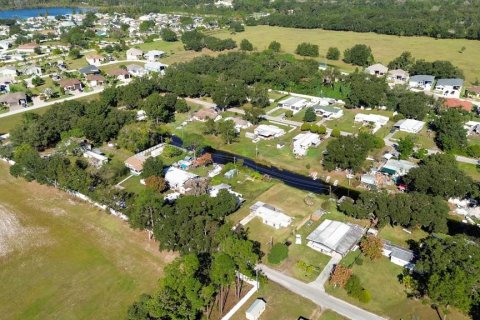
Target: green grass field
(63,259)
(281,304)
(384,47)
(379,277)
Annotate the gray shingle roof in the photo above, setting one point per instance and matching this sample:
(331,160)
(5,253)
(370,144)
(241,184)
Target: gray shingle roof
(450,82)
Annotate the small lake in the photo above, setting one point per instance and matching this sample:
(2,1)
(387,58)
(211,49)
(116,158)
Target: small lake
(35,12)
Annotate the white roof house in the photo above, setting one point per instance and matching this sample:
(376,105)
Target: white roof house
(293,103)
(303,141)
(397,167)
(398,76)
(377,69)
(176,178)
(255,310)
(213,191)
(8,71)
(154,55)
(266,131)
(378,120)
(95,158)
(155,67)
(136,70)
(335,236)
(450,88)
(409,125)
(328,111)
(270,215)
(134,54)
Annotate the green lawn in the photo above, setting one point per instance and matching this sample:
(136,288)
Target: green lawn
(133,185)
(399,237)
(388,295)
(471,170)
(346,122)
(384,47)
(69,260)
(115,66)
(423,139)
(281,304)
(330,315)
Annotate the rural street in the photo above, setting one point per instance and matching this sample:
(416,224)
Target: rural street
(312,292)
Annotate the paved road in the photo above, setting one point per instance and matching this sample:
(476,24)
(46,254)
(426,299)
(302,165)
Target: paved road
(318,296)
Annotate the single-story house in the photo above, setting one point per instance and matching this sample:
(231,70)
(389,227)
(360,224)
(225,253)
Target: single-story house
(377,69)
(135,70)
(472,127)
(153,55)
(335,236)
(328,111)
(377,120)
(409,125)
(293,103)
(303,141)
(134,54)
(450,88)
(71,85)
(458,103)
(95,80)
(155,67)
(240,124)
(5,44)
(473,91)
(369,180)
(94,59)
(266,131)
(270,215)
(8,71)
(421,81)
(177,178)
(14,100)
(204,114)
(119,74)
(90,69)
(32,71)
(97,159)
(135,163)
(255,310)
(398,255)
(398,76)
(397,167)
(27,47)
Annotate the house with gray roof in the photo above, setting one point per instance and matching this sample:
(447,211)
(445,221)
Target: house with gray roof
(398,255)
(449,88)
(8,71)
(335,237)
(422,82)
(293,103)
(395,167)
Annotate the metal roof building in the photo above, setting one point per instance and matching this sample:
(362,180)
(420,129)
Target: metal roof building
(335,236)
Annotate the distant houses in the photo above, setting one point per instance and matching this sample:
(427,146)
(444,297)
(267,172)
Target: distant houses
(266,131)
(409,125)
(328,111)
(14,101)
(293,103)
(95,59)
(71,85)
(449,88)
(378,70)
(398,76)
(134,54)
(303,141)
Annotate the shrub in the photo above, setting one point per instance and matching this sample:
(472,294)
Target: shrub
(305,127)
(473,151)
(307,49)
(288,114)
(274,46)
(246,45)
(171,151)
(322,129)
(156,183)
(353,286)
(310,115)
(359,261)
(335,133)
(333,53)
(168,35)
(182,106)
(365,296)
(278,253)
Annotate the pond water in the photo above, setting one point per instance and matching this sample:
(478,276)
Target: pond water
(35,12)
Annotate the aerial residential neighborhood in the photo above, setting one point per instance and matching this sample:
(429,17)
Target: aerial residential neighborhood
(239,160)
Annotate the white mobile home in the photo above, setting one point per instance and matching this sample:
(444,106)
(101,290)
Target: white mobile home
(303,141)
